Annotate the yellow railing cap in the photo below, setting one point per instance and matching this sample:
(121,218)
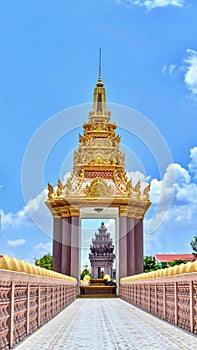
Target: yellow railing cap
(170,271)
(14,264)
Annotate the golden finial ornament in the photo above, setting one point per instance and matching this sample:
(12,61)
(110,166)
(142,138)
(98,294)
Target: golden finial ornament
(146,192)
(137,189)
(59,188)
(51,191)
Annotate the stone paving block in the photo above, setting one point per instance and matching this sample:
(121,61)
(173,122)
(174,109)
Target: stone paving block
(108,324)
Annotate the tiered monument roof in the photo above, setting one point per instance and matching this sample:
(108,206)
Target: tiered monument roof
(102,244)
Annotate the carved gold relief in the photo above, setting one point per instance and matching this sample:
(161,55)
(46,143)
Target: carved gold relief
(100,126)
(98,188)
(135,211)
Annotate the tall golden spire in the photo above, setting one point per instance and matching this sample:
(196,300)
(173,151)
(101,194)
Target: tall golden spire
(100,63)
(99,93)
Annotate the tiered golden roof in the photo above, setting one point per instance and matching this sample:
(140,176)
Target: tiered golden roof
(98,175)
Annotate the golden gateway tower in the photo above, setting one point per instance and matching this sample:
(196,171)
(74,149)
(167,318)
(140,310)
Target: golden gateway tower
(98,187)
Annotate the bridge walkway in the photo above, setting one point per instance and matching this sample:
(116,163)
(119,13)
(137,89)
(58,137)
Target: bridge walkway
(107,324)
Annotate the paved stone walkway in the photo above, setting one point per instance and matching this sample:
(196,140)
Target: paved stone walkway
(110,324)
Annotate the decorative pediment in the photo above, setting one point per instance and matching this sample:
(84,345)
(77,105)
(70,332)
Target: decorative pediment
(99,143)
(98,188)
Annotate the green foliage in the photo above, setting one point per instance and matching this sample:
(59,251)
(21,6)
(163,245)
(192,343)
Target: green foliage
(85,272)
(164,265)
(177,262)
(193,244)
(46,261)
(150,264)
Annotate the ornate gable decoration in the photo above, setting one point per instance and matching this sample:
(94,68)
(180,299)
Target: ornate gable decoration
(98,188)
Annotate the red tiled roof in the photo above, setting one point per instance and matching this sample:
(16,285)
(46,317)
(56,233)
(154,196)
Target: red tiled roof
(172,257)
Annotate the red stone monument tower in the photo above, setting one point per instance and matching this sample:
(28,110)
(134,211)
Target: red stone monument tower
(98,180)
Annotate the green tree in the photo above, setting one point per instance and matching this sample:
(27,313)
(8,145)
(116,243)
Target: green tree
(46,261)
(177,262)
(150,264)
(193,244)
(85,272)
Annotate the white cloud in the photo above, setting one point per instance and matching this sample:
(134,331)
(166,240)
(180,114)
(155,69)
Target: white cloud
(42,249)
(16,242)
(172,68)
(187,69)
(191,71)
(136,176)
(180,219)
(14,220)
(175,177)
(35,212)
(164,68)
(169,69)
(193,164)
(151,4)
(187,194)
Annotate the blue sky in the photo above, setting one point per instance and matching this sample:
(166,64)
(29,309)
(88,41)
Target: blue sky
(49,63)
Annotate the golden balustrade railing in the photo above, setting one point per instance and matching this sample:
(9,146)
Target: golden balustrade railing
(29,297)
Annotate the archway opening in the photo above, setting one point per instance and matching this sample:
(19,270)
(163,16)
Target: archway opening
(89,230)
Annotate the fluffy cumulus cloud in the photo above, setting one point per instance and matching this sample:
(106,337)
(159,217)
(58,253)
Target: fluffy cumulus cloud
(16,243)
(35,212)
(174,221)
(164,190)
(191,71)
(152,4)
